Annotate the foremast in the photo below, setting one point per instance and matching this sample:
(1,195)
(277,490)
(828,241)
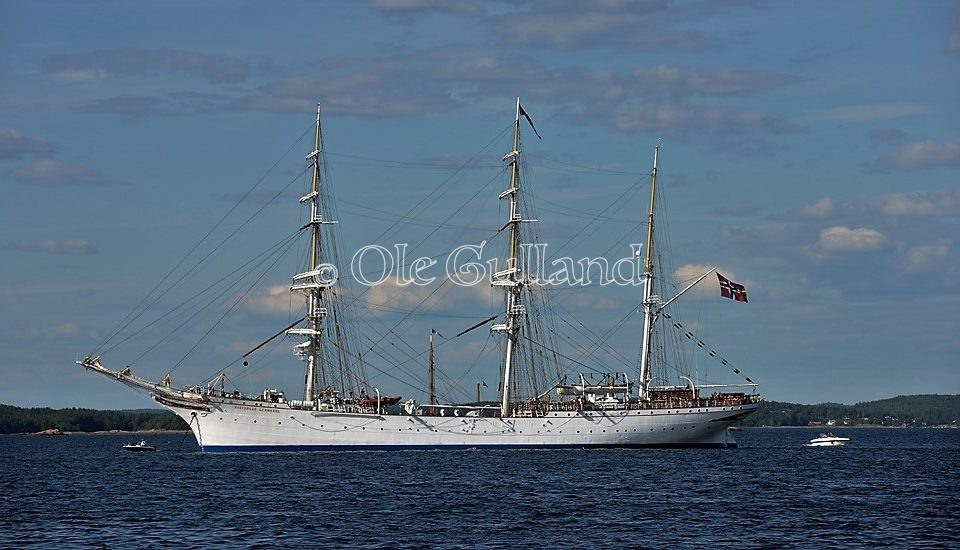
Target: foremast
(314,281)
(509,278)
(650,300)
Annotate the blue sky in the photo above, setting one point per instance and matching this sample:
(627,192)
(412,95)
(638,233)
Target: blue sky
(811,150)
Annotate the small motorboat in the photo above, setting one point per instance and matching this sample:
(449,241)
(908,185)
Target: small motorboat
(829,440)
(139,447)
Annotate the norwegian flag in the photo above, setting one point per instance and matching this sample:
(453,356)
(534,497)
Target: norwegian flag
(732,290)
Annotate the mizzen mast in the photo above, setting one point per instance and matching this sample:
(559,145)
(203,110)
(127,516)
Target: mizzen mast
(650,300)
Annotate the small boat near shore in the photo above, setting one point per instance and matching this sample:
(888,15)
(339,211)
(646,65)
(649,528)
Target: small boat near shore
(139,447)
(829,440)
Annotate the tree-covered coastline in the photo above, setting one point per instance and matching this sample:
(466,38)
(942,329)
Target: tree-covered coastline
(18,420)
(906,410)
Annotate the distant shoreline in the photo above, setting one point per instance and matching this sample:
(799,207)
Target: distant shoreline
(55,432)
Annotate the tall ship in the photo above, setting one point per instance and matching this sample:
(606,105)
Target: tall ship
(542,402)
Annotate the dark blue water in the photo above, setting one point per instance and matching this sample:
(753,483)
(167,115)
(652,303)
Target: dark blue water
(889,487)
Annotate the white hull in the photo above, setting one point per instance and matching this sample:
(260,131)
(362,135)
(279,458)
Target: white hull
(829,441)
(250,426)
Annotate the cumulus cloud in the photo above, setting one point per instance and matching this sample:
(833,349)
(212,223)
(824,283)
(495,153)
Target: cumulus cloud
(685,119)
(67,329)
(944,202)
(465,8)
(901,204)
(840,239)
(179,103)
(390,296)
(925,256)
(819,210)
(101,64)
(273,299)
(686,274)
(641,25)
(713,82)
(875,111)
(58,173)
(953,31)
(67,247)
(15,146)
(738,209)
(924,154)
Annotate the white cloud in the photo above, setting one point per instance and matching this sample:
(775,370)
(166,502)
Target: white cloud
(821,209)
(133,61)
(70,246)
(14,145)
(840,239)
(274,299)
(58,173)
(866,209)
(906,205)
(686,274)
(953,31)
(924,154)
(877,111)
(391,296)
(67,329)
(453,7)
(922,257)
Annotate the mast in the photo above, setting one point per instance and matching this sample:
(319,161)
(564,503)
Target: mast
(650,301)
(310,282)
(510,277)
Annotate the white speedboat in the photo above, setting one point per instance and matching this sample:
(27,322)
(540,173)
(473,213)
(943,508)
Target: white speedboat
(829,440)
(139,447)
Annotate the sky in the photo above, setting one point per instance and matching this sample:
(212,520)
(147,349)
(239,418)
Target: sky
(810,151)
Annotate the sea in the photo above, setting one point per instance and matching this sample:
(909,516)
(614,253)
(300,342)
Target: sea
(889,488)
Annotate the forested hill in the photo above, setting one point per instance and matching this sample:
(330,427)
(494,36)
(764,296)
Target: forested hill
(14,420)
(905,410)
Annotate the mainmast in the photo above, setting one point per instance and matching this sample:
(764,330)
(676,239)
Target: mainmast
(650,300)
(510,277)
(311,282)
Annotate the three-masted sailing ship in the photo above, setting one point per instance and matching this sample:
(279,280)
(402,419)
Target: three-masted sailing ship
(338,412)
